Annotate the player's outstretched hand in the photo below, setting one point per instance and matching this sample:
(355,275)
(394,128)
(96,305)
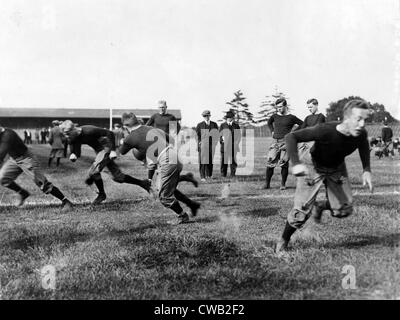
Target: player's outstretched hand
(73,157)
(299,170)
(367,179)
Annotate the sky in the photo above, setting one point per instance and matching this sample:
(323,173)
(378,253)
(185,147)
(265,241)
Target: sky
(195,53)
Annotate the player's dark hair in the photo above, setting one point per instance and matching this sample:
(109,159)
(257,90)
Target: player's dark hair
(129,116)
(356,103)
(281,101)
(313,101)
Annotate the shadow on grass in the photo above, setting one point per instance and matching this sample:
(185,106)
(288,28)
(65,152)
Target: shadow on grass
(108,205)
(68,236)
(364,240)
(261,213)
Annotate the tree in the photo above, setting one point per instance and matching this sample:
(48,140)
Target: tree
(267,107)
(240,108)
(378,112)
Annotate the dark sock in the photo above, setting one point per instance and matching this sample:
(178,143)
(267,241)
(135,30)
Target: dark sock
(268,175)
(100,186)
(49,163)
(15,187)
(323,204)
(150,173)
(288,231)
(176,207)
(58,162)
(284,174)
(181,197)
(131,180)
(57,193)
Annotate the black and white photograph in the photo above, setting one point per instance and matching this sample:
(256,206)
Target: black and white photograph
(207,152)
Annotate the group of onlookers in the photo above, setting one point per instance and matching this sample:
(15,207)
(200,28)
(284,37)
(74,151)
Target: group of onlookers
(41,136)
(385,145)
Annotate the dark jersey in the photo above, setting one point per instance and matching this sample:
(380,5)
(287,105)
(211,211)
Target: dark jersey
(282,125)
(162,121)
(142,139)
(330,147)
(95,137)
(312,120)
(387,134)
(11,144)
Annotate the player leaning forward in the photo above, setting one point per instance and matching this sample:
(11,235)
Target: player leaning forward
(103,143)
(333,142)
(22,160)
(148,142)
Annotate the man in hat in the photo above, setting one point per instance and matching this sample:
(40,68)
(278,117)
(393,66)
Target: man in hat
(22,160)
(280,124)
(56,140)
(103,143)
(230,136)
(333,142)
(152,144)
(167,123)
(207,138)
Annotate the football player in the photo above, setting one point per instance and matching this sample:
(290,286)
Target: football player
(148,142)
(280,124)
(103,143)
(22,160)
(333,142)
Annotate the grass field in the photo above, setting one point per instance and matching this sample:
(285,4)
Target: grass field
(124,248)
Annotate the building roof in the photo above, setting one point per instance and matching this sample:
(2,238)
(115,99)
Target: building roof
(55,113)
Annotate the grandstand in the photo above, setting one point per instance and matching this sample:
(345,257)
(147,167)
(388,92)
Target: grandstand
(18,118)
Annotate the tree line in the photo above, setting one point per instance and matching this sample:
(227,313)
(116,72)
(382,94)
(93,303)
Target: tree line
(239,106)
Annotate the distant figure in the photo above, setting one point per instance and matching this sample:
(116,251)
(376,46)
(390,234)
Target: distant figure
(207,139)
(162,120)
(26,136)
(396,145)
(230,136)
(37,136)
(56,140)
(280,125)
(387,135)
(43,136)
(311,120)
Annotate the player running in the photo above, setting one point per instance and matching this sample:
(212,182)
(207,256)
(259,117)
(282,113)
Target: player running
(22,160)
(148,142)
(103,143)
(333,142)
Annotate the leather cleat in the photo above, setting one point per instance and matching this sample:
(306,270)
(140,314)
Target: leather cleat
(194,208)
(100,198)
(183,218)
(281,246)
(66,205)
(23,194)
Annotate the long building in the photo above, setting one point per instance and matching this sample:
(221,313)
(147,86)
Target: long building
(30,118)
